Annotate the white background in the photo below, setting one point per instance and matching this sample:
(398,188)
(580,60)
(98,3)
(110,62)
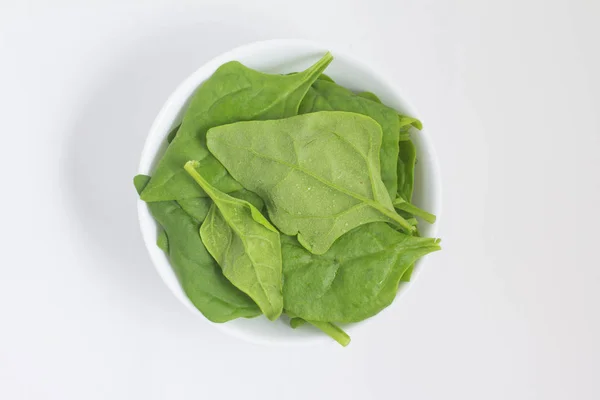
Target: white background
(509,91)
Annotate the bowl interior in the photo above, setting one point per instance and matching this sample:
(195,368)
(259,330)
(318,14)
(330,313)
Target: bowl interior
(283,56)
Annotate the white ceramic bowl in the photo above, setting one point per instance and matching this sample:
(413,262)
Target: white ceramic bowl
(283,56)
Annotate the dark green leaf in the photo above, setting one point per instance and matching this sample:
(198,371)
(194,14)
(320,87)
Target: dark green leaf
(199,274)
(163,241)
(355,279)
(325,77)
(196,207)
(172,134)
(406,169)
(233,93)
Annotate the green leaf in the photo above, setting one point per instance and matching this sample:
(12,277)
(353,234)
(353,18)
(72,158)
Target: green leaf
(407,158)
(369,96)
(408,274)
(162,241)
(172,134)
(327,96)
(233,93)
(197,207)
(250,197)
(318,173)
(245,245)
(403,205)
(199,274)
(324,77)
(406,122)
(355,279)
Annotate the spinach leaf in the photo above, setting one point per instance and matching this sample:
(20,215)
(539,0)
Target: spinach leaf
(200,276)
(407,122)
(196,207)
(408,274)
(324,77)
(172,134)
(245,245)
(406,166)
(250,197)
(328,96)
(369,96)
(233,93)
(404,205)
(162,241)
(318,173)
(355,279)
(407,158)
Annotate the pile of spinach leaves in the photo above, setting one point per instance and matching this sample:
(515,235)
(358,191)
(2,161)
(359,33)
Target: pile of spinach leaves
(288,195)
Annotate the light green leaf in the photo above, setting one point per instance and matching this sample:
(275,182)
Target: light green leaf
(408,274)
(327,96)
(406,122)
(245,245)
(369,96)
(319,175)
(250,197)
(198,207)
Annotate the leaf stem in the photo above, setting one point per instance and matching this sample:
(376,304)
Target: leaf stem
(333,331)
(190,167)
(404,205)
(396,218)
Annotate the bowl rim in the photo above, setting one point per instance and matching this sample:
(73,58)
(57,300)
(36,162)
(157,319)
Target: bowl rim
(173,107)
